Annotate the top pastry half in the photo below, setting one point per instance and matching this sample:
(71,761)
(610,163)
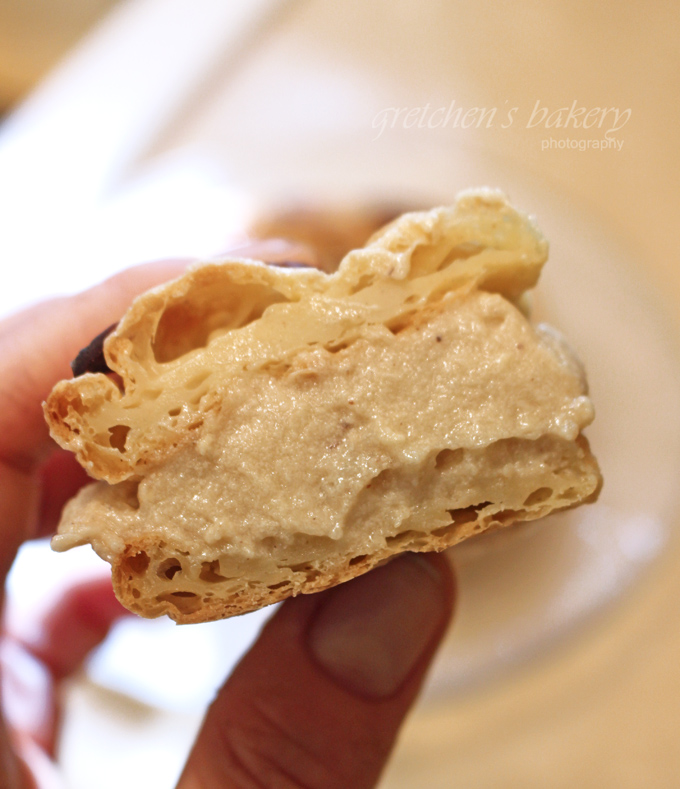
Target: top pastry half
(178,346)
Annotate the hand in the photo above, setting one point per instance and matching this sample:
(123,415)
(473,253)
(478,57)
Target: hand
(318,700)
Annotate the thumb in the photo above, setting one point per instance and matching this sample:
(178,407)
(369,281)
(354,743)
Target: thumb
(319,699)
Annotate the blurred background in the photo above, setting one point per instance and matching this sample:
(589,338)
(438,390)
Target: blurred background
(142,128)
(35,35)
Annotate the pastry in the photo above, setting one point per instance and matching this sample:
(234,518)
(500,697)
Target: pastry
(262,431)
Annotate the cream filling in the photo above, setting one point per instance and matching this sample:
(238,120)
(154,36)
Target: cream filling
(286,454)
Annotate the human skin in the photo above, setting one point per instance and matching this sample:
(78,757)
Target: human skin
(320,697)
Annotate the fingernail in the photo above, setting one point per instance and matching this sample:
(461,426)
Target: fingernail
(371,633)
